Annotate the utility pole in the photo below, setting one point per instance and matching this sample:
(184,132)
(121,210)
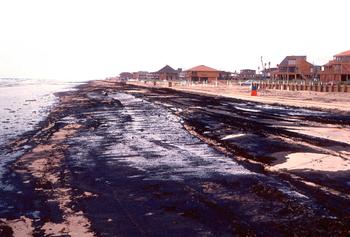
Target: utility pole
(263,66)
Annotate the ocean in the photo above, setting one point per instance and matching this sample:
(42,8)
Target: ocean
(25,102)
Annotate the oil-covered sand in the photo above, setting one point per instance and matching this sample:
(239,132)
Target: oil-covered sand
(122,160)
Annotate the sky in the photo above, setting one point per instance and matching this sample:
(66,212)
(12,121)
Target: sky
(84,40)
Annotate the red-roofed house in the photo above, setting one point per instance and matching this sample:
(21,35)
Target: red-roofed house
(338,69)
(202,74)
(294,67)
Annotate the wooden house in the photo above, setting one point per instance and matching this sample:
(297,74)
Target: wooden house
(202,74)
(338,69)
(168,73)
(124,76)
(245,74)
(294,67)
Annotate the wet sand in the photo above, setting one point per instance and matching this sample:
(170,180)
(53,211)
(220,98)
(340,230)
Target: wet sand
(139,161)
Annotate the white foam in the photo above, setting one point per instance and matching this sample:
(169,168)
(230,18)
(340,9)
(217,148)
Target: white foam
(232,136)
(248,110)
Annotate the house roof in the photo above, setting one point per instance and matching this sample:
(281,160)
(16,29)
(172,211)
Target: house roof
(247,69)
(202,68)
(343,54)
(167,69)
(125,73)
(286,59)
(331,62)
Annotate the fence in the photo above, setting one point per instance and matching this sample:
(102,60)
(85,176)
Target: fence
(303,86)
(262,85)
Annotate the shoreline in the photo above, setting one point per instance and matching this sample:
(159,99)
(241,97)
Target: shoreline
(25,103)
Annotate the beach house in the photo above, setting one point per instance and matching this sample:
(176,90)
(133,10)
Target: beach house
(245,74)
(125,76)
(294,67)
(168,73)
(338,69)
(202,74)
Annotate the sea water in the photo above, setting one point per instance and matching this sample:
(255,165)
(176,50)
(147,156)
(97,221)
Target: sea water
(25,102)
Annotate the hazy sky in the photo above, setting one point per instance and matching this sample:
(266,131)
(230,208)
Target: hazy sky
(81,39)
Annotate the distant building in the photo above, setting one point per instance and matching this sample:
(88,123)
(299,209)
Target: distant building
(316,70)
(338,69)
(138,75)
(223,75)
(245,74)
(182,74)
(124,76)
(202,74)
(266,73)
(168,73)
(235,75)
(153,76)
(294,67)
(143,76)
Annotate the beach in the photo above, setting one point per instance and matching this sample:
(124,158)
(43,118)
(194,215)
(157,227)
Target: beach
(122,159)
(337,101)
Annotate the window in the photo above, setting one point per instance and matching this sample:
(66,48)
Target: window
(337,68)
(292,62)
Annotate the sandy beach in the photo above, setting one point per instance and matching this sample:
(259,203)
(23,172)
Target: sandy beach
(308,99)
